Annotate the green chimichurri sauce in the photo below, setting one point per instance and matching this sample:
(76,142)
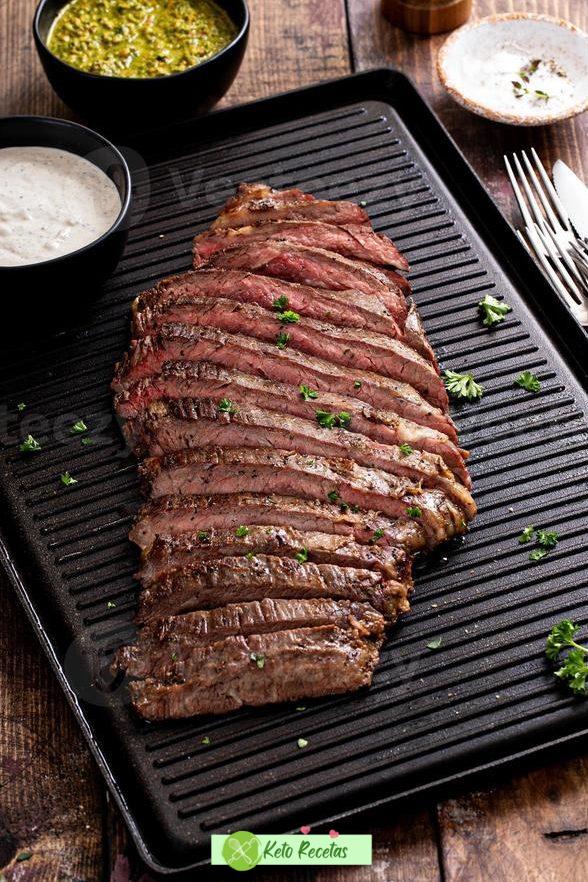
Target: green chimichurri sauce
(139,38)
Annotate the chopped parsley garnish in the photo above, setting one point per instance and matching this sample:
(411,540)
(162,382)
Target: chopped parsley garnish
(258,659)
(543,96)
(328,420)
(413,511)
(288,317)
(435,644)
(282,340)
(357,384)
(405,449)
(174,656)
(281,303)
(307,393)
(462,385)
(574,669)
(526,535)
(241,531)
(87,441)
(79,428)
(493,310)
(225,405)
(21,405)
(333,496)
(302,555)
(110,605)
(354,508)
(538,554)
(376,535)
(302,743)
(250,555)
(528,381)
(206,741)
(547,538)
(29,445)
(300,708)
(24,856)
(203,536)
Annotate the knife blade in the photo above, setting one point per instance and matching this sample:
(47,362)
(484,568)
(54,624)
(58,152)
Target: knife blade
(573,194)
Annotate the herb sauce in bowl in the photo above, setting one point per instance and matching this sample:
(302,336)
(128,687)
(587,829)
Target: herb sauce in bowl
(52,203)
(139,38)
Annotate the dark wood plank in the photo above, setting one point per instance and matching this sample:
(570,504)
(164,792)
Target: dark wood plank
(51,796)
(377,44)
(535,827)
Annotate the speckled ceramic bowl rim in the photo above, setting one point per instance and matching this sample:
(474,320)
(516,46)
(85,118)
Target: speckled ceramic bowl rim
(489,112)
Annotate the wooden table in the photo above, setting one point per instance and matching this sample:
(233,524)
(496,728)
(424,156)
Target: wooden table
(53,804)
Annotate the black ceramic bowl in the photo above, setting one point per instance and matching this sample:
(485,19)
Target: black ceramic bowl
(65,283)
(122,102)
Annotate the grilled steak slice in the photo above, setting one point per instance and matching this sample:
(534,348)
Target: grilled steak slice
(210,472)
(206,380)
(176,515)
(318,268)
(414,335)
(172,552)
(349,309)
(349,347)
(207,584)
(354,242)
(301,663)
(168,427)
(184,343)
(257,203)
(178,636)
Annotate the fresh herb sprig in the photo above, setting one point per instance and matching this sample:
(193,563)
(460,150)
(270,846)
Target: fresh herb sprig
(493,311)
(462,386)
(573,671)
(328,420)
(527,380)
(546,541)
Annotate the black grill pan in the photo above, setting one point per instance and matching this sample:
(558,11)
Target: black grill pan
(486,696)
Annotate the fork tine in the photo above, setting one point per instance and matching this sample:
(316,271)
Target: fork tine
(564,254)
(536,210)
(551,249)
(579,310)
(541,194)
(518,195)
(551,190)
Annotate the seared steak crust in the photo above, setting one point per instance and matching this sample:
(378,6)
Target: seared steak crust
(224,676)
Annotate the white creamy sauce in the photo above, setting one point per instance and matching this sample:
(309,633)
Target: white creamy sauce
(52,202)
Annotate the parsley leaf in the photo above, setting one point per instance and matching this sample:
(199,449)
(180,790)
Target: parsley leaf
(435,644)
(281,303)
(308,393)
(333,496)
(21,406)
(67,480)
(538,554)
(357,384)
(241,531)
(377,535)
(302,743)
(282,340)
(225,405)
(328,420)
(493,310)
(203,536)
(528,381)
(413,511)
(110,605)
(462,385)
(405,449)
(87,441)
(302,555)
(206,740)
(259,659)
(526,535)
(78,428)
(29,445)
(288,317)
(547,538)
(573,670)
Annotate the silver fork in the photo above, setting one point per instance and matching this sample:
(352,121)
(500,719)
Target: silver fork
(548,233)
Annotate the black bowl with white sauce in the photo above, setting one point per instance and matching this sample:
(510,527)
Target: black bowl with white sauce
(65,202)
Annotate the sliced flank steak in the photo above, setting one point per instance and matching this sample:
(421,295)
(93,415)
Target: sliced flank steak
(215,471)
(206,380)
(190,343)
(258,203)
(165,646)
(319,269)
(187,424)
(208,584)
(224,676)
(177,514)
(354,242)
(349,309)
(348,347)
(172,552)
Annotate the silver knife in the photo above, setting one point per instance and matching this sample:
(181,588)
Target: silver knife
(573,194)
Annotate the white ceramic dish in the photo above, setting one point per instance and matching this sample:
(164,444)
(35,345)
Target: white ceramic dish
(517,68)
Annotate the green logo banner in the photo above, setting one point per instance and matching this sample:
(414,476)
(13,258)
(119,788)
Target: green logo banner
(243,851)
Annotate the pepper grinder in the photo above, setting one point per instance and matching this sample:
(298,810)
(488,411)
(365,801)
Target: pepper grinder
(427,16)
